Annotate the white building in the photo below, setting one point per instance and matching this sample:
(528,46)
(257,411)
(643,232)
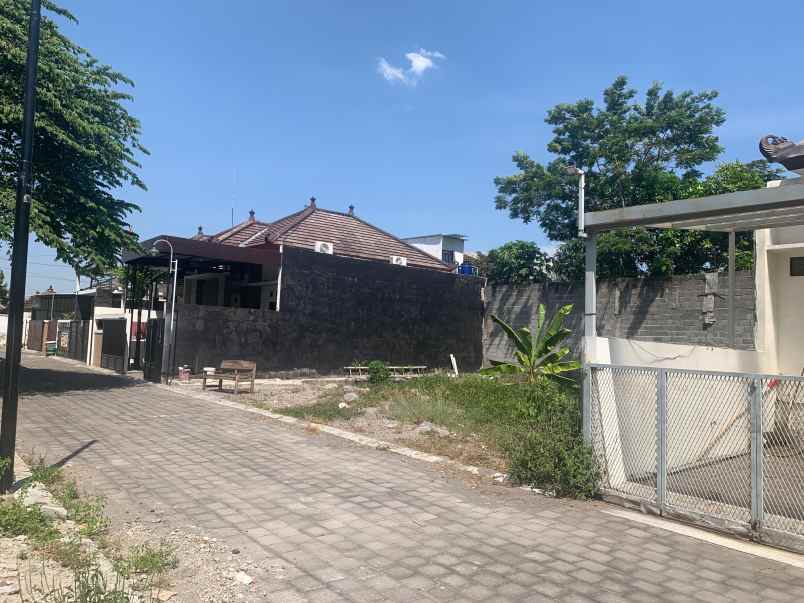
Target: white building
(445,247)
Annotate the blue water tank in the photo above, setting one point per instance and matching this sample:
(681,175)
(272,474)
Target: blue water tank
(467,268)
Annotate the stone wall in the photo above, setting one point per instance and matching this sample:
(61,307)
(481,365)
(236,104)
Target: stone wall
(665,310)
(334,311)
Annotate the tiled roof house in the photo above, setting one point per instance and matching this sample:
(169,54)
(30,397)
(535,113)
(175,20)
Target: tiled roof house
(348,235)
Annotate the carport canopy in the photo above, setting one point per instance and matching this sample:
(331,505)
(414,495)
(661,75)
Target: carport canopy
(780,204)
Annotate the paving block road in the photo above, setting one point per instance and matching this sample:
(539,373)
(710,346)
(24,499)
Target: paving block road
(349,523)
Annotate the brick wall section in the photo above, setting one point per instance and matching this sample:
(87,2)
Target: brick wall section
(664,310)
(336,310)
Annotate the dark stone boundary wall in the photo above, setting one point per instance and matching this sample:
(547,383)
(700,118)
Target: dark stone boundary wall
(665,310)
(334,311)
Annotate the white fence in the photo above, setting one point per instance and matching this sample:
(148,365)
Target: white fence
(721,449)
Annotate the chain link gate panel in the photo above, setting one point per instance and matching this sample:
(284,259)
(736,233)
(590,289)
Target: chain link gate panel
(783,459)
(624,402)
(709,445)
(722,450)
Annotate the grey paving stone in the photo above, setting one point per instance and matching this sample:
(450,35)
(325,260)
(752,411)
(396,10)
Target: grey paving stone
(356,524)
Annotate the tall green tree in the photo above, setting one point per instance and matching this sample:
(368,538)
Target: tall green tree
(85,149)
(517,263)
(633,152)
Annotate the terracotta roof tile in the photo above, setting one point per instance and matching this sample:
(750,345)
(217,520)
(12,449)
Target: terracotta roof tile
(350,236)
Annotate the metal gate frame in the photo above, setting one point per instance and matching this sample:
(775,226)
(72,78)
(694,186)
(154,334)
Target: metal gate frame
(154,347)
(699,445)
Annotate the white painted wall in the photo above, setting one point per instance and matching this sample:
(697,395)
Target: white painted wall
(103,313)
(429,245)
(435,245)
(629,352)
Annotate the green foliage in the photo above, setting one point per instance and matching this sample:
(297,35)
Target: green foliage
(41,472)
(378,372)
(18,520)
(85,148)
(69,553)
(539,356)
(91,585)
(551,454)
(87,512)
(516,263)
(642,252)
(149,560)
(534,429)
(633,153)
(326,409)
(466,405)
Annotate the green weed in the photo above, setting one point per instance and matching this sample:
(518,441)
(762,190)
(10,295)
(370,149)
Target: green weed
(18,520)
(533,430)
(90,585)
(149,560)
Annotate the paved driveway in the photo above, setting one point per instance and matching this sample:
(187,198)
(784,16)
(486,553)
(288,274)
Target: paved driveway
(355,524)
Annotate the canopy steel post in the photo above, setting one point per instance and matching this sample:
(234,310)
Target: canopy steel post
(590,288)
(589,331)
(19,258)
(732,287)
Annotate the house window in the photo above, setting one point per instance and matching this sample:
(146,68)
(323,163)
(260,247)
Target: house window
(797,266)
(448,256)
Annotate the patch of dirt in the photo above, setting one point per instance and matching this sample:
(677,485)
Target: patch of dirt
(207,568)
(280,393)
(25,574)
(375,422)
(426,437)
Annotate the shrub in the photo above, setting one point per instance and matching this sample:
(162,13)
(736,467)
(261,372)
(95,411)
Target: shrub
(16,520)
(378,372)
(550,453)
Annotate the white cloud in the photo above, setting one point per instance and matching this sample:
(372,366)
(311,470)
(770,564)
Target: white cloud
(420,62)
(391,73)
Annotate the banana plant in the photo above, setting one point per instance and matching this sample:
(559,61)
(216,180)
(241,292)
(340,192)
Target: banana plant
(539,356)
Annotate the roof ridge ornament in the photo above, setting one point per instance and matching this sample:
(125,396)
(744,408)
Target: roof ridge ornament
(778,149)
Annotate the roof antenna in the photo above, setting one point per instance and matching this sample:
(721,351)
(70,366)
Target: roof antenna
(234,191)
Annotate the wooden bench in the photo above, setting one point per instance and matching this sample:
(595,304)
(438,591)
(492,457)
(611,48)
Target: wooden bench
(232,370)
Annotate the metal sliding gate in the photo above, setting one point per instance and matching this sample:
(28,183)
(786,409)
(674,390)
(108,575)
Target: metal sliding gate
(722,450)
(152,361)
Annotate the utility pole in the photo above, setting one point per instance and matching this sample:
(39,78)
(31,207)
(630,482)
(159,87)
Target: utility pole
(19,258)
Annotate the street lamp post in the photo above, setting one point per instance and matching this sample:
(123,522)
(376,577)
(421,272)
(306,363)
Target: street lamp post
(167,346)
(19,259)
(576,171)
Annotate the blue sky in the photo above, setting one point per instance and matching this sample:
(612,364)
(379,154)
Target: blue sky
(261,104)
